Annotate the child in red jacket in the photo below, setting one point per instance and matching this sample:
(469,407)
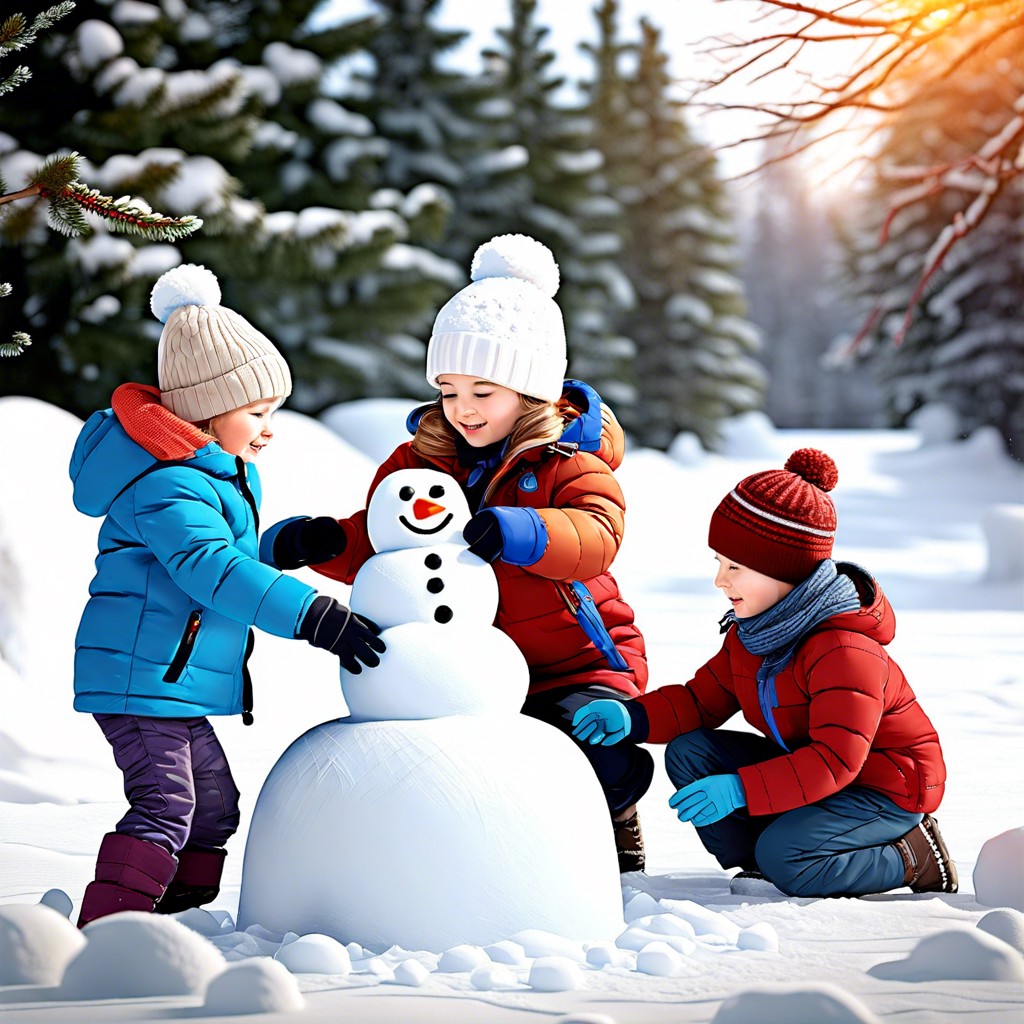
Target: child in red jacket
(535,456)
(834,799)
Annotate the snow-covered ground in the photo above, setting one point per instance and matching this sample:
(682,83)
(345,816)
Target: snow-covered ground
(912,508)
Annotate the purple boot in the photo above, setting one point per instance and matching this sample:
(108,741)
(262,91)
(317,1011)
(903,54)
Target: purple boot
(131,874)
(197,880)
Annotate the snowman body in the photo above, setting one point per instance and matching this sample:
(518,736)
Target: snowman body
(436,813)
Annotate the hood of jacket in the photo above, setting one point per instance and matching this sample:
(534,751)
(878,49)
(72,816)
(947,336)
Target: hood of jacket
(116,446)
(594,428)
(875,617)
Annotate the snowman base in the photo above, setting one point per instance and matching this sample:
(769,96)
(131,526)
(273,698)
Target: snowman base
(428,834)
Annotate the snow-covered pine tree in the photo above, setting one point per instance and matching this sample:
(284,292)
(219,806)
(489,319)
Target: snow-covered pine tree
(963,344)
(353,292)
(55,183)
(695,362)
(169,101)
(556,196)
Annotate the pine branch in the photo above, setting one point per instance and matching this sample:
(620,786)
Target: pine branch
(18,343)
(19,76)
(69,201)
(14,35)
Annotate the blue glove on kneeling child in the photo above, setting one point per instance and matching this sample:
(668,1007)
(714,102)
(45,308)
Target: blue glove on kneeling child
(708,800)
(601,721)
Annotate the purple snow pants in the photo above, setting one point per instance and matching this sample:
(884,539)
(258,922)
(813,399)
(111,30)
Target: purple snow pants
(176,779)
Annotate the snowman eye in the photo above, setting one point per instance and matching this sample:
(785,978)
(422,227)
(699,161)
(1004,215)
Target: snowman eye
(437,491)
(406,493)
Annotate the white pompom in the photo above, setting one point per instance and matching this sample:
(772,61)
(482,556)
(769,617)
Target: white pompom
(517,256)
(187,285)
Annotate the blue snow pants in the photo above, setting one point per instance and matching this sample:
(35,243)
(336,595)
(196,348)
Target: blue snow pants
(176,779)
(839,846)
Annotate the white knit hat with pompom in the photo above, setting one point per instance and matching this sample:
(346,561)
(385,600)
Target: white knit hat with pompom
(210,359)
(505,327)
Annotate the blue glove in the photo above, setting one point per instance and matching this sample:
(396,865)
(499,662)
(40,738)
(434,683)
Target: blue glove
(708,800)
(601,721)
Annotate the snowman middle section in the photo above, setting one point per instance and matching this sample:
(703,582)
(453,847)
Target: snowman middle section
(436,813)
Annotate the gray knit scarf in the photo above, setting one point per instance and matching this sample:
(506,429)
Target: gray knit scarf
(775,633)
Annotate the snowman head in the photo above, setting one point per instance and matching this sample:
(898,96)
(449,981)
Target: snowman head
(416,508)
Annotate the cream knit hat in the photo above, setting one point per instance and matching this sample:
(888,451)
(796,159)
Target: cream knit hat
(505,327)
(210,359)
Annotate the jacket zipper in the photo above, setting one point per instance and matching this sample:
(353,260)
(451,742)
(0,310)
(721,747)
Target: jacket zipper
(184,651)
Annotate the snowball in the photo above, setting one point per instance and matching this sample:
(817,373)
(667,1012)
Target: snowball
(411,972)
(998,878)
(186,285)
(379,968)
(636,938)
(607,954)
(665,924)
(658,959)
(1005,924)
(137,954)
(555,974)
(315,954)
(482,865)
(701,920)
(761,936)
(36,943)
(259,985)
(537,942)
(965,955)
(506,952)
(517,256)
(489,977)
(57,900)
(461,958)
(640,905)
(800,1003)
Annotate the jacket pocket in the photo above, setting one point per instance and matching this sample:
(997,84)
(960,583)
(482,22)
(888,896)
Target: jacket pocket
(185,645)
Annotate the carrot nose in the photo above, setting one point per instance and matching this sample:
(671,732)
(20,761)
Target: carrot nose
(422,509)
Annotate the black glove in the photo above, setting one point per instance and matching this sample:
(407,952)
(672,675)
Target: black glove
(483,535)
(331,626)
(309,542)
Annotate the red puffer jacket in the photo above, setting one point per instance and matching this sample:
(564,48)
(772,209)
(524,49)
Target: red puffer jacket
(846,712)
(576,495)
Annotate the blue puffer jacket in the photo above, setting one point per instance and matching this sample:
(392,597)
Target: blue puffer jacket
(178,582)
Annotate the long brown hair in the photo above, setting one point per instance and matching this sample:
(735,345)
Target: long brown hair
(540,422)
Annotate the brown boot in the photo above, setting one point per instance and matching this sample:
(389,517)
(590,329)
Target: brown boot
(629,842)
(928,865)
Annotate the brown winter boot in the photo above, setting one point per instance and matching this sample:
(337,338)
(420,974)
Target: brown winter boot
(928,865)
(629,841)
(196,882)
(131,874)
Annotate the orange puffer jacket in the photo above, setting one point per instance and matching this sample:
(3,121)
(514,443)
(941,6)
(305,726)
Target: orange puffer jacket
(846,712)
(576,495)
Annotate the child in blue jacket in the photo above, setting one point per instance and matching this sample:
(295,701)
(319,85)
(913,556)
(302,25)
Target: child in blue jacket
(165,636)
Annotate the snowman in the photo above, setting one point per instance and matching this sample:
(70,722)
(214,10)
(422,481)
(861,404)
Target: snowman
(435,814)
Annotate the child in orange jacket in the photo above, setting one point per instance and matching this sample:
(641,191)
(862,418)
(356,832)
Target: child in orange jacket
(835,797)
(535,456)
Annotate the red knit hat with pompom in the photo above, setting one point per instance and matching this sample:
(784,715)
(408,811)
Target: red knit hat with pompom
(780,522)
